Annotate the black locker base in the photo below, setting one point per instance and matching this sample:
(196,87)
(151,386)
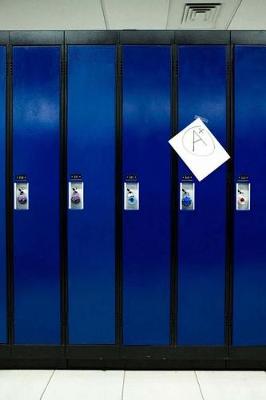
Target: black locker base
(131,357)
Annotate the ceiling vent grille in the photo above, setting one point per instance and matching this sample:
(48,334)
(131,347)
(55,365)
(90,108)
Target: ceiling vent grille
(200,13)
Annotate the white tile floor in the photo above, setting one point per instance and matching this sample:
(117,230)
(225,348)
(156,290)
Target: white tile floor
(132,385)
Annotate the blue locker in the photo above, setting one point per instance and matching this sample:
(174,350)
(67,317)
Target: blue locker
(201,237)
(249,300)
(91,231)
(3,282)
(146,232)
(36,135)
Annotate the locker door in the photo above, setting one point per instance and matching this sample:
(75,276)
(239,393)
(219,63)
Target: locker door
(249,295)
(91,230)
(36,130)
(146,232)
(201,246)
(3,316)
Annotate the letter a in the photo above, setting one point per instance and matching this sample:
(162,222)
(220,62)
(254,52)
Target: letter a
(199,139)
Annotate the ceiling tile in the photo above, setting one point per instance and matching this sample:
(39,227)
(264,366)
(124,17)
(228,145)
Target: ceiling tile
(250,15)
(51,14)
(136,14)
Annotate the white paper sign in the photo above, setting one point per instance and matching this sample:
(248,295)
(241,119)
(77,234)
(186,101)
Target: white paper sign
(199,149)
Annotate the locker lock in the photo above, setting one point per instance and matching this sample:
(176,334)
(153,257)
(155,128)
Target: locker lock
(22,198)
(75,198)
(131,197)
(186,199)
(241,198)
(187,196)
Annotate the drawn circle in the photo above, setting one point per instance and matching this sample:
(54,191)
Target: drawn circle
(198,141)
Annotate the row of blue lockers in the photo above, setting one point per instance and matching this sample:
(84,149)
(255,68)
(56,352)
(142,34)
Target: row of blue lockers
(92,152)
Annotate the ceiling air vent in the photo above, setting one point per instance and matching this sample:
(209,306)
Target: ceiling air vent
(200,14)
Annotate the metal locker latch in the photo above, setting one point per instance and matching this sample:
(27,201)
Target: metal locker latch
(21,195)
(131,193)
(243,196)
(187,196)
(75,195)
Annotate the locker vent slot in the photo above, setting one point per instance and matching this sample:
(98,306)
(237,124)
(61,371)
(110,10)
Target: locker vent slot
(200,13)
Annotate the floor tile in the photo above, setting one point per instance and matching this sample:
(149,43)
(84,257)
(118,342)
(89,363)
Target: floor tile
(161,385)
(232,385)
(23,384)
(85,385)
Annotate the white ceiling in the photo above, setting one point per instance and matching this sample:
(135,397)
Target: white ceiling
(136,14)
(51,14)
(250,15)
(128,14)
